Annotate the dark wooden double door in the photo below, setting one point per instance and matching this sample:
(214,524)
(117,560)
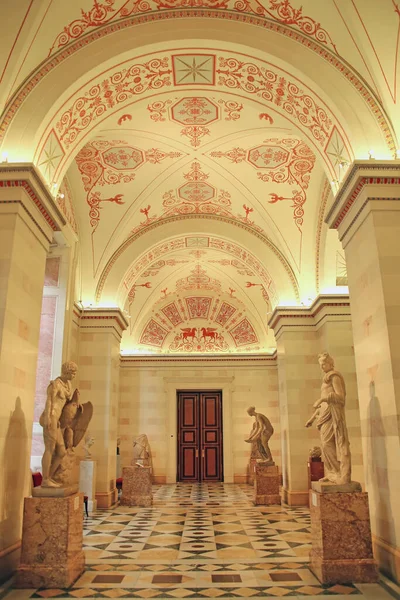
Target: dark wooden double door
(200,436)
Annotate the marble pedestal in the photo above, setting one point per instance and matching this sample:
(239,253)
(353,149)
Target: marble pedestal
(341,538)
(136,487)
(251,467)
(266,484)
(87,482)
(52,532)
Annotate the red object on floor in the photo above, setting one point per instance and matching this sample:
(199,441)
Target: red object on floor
(118,483)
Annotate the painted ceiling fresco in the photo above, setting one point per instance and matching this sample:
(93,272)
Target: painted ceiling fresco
(195,173)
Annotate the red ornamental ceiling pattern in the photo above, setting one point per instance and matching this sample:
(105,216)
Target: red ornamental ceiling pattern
(233,329)
(108,11)
(195,113)
(198,280)
(279,161)
(244,334)
(199,339)
(148,260)
(195,196)
(153,334)
(110,162)
(240,267)
(122,86)
(172,313)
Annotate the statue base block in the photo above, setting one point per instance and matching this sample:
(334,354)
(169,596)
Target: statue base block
(54,492)
(341,538)
(266,484)
(136,487)
(325,487)
(52,533)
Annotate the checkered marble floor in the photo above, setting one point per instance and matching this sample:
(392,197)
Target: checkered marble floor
(200,541)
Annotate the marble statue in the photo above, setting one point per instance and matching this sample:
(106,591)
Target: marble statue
(89,441)
(331,422)
(64,421)
(142,452)
(260,434)
(315,452)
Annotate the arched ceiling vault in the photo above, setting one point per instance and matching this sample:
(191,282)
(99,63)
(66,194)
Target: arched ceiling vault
(194,169)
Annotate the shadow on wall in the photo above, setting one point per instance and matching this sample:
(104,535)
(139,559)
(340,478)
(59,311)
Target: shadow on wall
(377,477)
(13,477)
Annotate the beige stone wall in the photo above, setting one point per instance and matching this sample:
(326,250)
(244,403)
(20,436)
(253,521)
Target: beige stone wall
(148,405)
(21,287)
(373,268)
(299,387)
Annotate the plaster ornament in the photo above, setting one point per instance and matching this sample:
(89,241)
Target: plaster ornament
(260,435)
(331,422)
(64,421)
(142,452)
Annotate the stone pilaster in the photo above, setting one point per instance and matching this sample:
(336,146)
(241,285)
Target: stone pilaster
(99,368)
(29,218)
(366,214)
(302,333)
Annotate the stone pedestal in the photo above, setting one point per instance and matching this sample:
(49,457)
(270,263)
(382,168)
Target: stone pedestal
(136,489)
(52,532)
(251,467)
(266,484)
(341,538)
(87,482)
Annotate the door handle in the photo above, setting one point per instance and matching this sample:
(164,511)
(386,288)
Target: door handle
(197,453)
(202,453)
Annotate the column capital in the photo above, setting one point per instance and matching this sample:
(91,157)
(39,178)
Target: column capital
(334,307)
(368,185)
(23,190)
(102,320)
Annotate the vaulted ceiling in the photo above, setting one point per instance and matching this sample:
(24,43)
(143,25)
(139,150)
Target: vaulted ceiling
(195,146)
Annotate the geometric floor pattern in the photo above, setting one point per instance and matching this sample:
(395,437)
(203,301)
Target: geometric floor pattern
(200,541)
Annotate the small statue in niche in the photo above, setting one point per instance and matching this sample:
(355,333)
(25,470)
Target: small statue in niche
(260,435)
(64,421)
(142,452)
(118,446)
(89,441)
(331,423)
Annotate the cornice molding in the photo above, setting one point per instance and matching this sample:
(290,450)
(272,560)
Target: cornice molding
(199,361)
(102,319)
(365,180)
(21,184)
(325,307)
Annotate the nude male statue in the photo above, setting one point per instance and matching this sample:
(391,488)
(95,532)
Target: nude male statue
(59,393)
(260,434)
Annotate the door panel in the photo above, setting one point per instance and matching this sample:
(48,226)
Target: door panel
(200,436)
(188,437)
(211,435)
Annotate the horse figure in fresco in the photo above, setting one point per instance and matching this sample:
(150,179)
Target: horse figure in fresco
(188,332)
(209,332)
